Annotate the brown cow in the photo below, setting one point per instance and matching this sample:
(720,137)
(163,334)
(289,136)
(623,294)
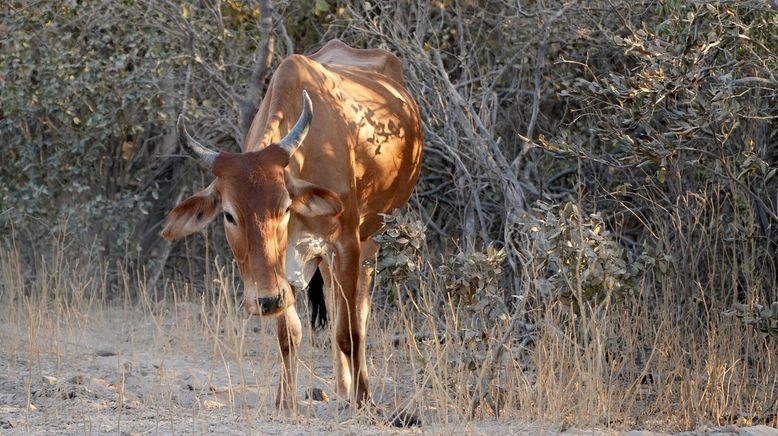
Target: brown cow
(309,194)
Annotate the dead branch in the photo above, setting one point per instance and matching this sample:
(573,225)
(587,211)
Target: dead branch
(250,104)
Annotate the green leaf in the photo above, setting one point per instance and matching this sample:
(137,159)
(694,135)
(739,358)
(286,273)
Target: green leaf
(661,174)
(321,7)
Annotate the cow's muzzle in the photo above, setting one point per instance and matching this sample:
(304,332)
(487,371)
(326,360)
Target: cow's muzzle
(268,306)
(264,306)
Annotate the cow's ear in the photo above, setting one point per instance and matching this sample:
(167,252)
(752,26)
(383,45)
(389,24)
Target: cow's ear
(312,200)
(192,214)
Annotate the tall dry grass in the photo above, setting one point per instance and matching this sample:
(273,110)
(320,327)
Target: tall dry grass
(644,360)
(637,362)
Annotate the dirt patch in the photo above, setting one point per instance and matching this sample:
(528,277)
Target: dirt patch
(182,369)
(160,376)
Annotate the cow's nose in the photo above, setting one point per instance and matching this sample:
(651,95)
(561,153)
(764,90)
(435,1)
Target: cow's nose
(269,304)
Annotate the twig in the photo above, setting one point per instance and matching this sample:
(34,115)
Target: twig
(482,387)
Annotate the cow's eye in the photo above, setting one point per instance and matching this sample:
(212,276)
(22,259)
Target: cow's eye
(228,216)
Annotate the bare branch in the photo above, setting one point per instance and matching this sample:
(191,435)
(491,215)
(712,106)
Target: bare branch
(250,104)
(285,35)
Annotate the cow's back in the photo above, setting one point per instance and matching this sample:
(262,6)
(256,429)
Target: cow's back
(365,139)
(387,152)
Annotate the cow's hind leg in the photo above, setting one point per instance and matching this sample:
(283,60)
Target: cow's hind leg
(315,290)
(289,333)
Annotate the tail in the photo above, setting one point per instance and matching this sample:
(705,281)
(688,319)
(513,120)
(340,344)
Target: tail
(316,298)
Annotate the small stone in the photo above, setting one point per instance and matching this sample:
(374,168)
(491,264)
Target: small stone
(759,430)
(105,353)
(212,404)
(405,419)
(643,433)
(317,394)
(584,432)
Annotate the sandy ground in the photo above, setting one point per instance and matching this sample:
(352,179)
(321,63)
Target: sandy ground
(115,373)
(118,372)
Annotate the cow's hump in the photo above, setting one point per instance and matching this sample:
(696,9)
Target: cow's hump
(381,61)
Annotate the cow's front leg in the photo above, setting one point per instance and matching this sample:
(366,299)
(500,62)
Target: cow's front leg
(367,251)
(289,336)
(350,285)
(334,294)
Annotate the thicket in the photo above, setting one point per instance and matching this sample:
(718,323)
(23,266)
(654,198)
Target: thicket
(579,156)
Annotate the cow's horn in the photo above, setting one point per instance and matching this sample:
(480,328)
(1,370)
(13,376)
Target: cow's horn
(200,151)
(295,137)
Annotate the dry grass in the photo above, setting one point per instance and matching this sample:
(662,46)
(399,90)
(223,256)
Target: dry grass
(83,354)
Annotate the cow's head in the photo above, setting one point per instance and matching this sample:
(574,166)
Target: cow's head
(257,196)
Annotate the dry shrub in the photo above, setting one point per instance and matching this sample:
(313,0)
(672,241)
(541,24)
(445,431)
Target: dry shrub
(646,131)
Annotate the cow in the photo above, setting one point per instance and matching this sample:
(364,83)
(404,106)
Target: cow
(309,192)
